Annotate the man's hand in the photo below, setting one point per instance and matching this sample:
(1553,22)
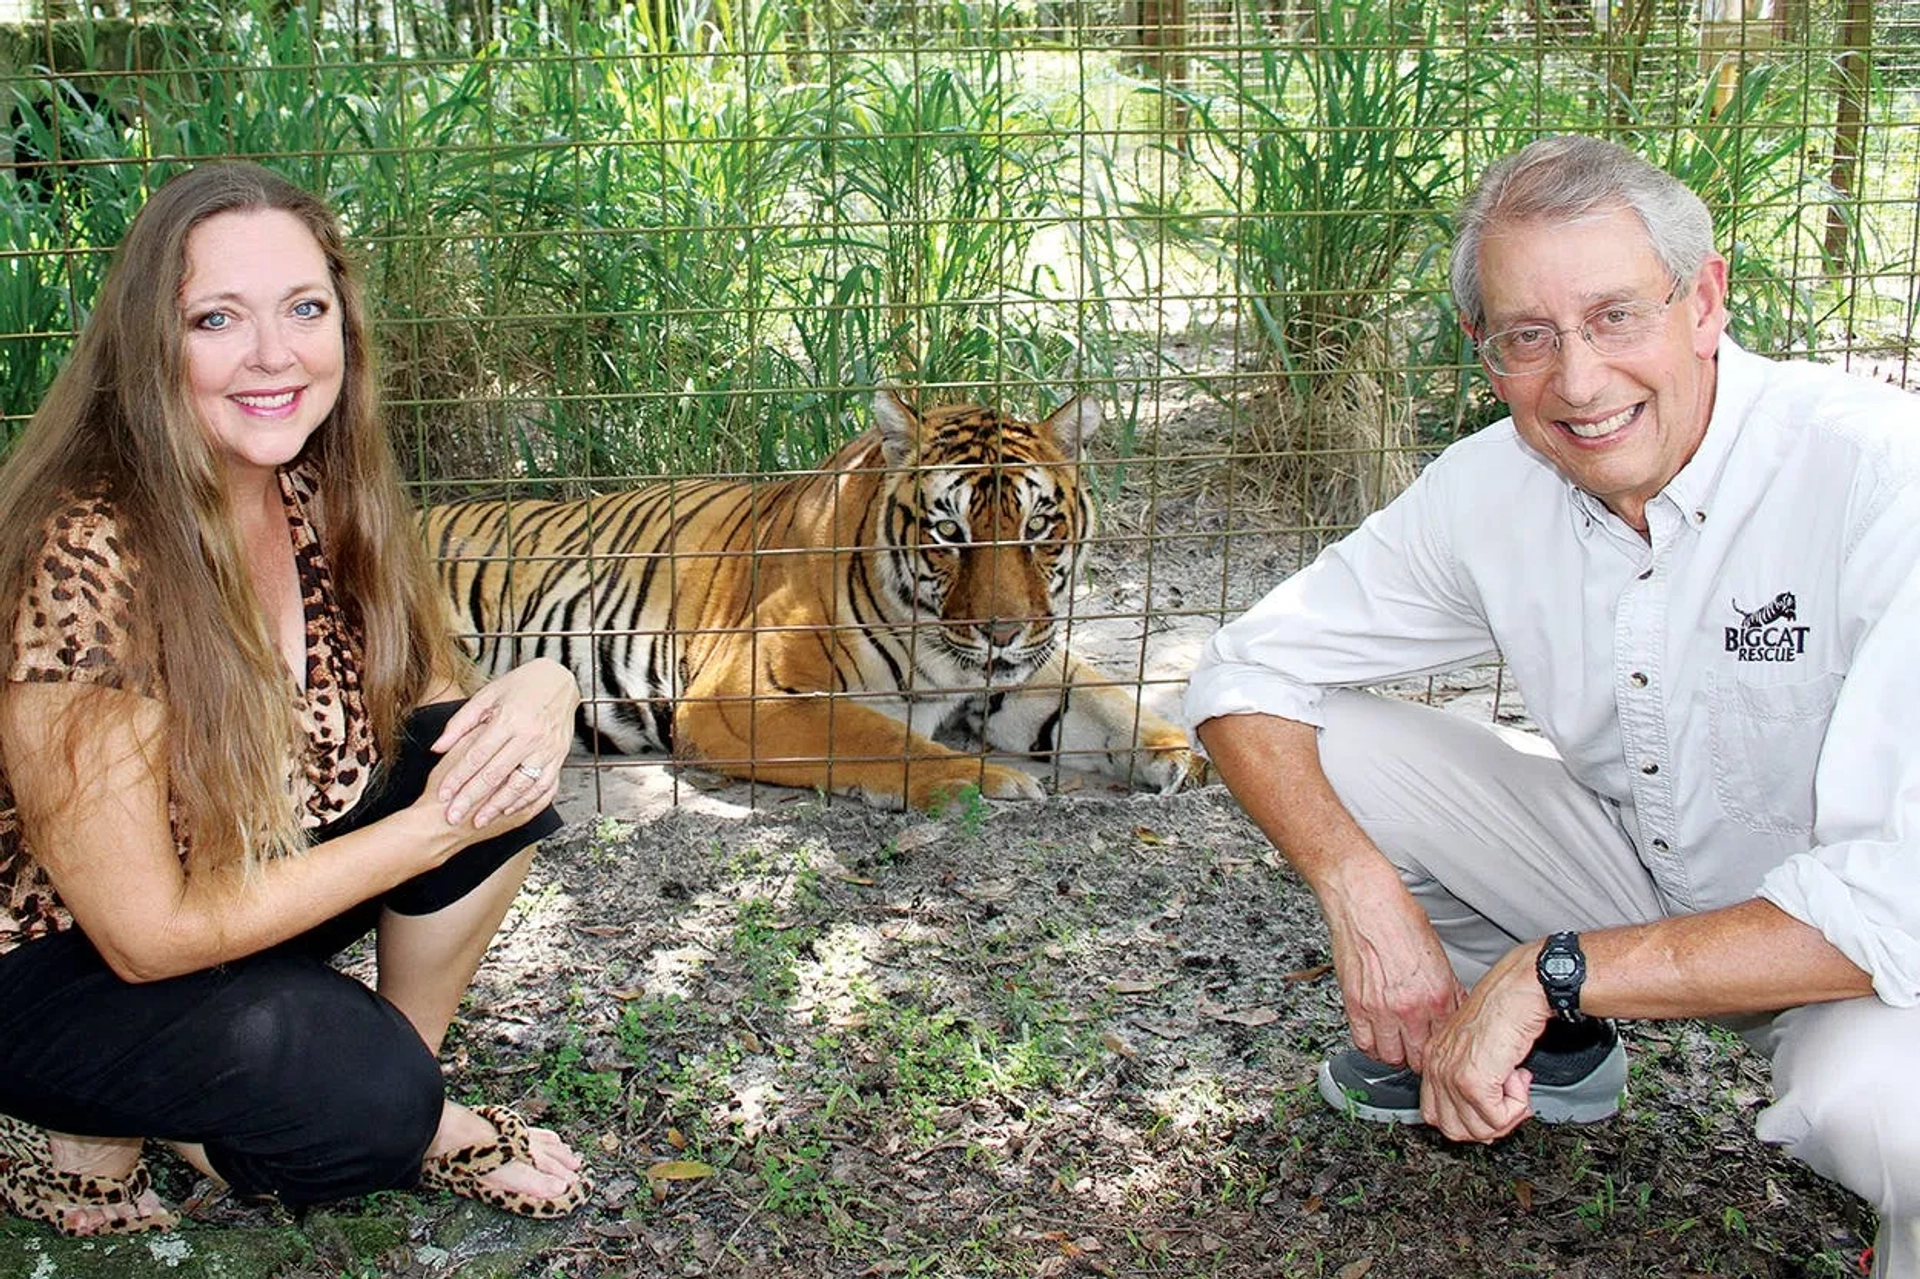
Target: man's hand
(1395,981)
(1394,977)
(1473,1087)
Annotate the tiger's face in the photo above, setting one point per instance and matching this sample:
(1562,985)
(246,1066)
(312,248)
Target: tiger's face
(983,523)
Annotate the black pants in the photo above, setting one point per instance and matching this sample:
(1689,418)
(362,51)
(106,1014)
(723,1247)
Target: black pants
(298,1080)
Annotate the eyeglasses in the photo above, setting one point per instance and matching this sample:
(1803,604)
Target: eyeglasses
(1614,329)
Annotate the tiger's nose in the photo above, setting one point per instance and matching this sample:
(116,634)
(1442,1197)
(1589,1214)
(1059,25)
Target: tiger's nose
(1000,634)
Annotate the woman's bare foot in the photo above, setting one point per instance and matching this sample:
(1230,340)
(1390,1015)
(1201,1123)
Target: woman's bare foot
(555,1169)
(114,1157)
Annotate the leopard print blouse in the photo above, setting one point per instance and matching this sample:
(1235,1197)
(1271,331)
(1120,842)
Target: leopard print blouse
(72,625)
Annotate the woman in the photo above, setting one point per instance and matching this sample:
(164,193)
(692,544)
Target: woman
(229,679)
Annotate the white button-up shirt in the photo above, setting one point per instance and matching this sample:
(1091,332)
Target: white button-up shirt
(1744,683)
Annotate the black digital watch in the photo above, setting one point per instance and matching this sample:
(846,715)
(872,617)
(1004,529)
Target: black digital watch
(1562,968)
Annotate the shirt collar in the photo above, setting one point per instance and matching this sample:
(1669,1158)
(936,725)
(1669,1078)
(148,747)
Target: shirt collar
(1738,385)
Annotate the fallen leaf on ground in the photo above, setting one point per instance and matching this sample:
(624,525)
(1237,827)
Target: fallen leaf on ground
(1248,1016)
(1161,1029)
(1137,986)
(679,1170)
(1355,1269)
(1307,974)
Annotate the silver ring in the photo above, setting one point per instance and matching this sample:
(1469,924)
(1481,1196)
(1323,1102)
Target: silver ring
(530,771)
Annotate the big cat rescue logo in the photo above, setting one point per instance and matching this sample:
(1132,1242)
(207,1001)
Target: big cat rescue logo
(1767,634)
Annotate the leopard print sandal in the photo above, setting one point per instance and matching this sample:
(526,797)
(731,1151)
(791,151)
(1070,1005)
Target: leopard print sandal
(31,1187)
(461,1169)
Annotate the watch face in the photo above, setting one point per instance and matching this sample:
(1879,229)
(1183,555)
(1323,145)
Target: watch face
(1559,967)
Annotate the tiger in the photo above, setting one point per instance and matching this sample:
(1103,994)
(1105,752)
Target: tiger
(822,630)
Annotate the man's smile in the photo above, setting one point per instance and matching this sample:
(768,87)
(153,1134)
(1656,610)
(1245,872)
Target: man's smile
(1603,427)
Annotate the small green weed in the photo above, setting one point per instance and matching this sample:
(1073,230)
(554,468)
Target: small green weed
(768,948)
(1597,1211)
(610,839)
(646,1024)
(794,1182)
(968,809)
(679,1049)
(575,1091)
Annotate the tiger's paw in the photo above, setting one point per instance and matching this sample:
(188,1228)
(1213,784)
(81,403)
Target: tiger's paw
(1164,762)
(1002,782)
(992,781)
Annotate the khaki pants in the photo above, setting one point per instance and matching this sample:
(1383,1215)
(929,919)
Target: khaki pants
(1500,845)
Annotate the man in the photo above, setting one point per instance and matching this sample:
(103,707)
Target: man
(1699,566)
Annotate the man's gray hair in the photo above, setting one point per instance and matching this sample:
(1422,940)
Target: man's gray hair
(1569,179)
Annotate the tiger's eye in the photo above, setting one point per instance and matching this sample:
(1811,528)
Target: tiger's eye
(947,530)
(1038,526)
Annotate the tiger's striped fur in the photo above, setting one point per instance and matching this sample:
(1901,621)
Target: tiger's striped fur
(819,630)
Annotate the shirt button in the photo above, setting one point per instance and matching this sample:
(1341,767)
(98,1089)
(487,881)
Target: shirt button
(1637,679)
(1659,845)
(1645,574)
(1649,768)
(1699,517)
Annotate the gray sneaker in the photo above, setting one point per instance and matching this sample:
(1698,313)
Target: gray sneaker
(1578,1076)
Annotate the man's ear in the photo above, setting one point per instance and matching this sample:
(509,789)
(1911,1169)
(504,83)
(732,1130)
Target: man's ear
(1707,306)
(1466,326)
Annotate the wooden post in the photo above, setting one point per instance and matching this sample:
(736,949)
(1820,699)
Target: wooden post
(1851,71)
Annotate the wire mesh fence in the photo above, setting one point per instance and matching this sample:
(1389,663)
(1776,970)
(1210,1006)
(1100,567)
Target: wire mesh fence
(624,248)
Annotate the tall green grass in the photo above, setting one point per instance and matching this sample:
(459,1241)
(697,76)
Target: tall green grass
(1747,160)
(686,238)
(1330,189)
(53,223)
(626,249)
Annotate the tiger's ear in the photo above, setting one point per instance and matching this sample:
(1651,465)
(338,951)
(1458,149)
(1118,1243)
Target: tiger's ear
(1075,422)
(899,427)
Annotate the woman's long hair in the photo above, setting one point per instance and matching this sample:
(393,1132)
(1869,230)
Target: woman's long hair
(120,421)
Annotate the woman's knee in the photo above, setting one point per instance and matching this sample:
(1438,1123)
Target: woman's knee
(344,1098)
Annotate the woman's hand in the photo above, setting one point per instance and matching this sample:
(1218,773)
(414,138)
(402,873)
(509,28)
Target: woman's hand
(504,748)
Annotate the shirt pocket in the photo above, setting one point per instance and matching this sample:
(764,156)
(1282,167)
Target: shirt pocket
(1766,743)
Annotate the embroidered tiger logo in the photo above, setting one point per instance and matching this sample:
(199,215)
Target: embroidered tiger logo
(1781,607)
(821,630)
